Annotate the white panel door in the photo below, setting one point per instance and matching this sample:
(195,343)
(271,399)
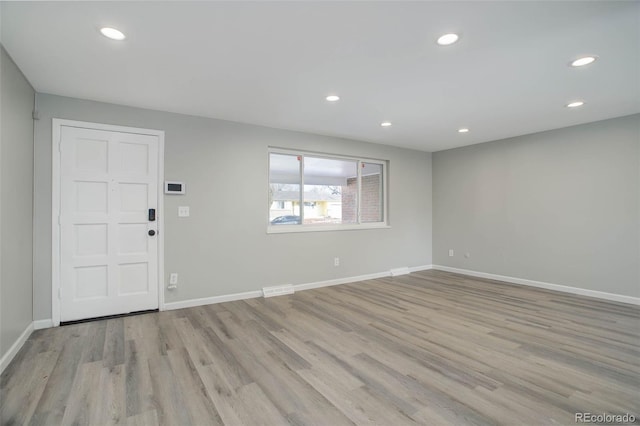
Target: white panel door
(108,259)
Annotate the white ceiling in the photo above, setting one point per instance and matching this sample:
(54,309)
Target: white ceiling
(273,63)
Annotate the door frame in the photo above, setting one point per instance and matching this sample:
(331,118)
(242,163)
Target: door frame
(56,134)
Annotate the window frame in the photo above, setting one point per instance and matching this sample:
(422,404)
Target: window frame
(302,227)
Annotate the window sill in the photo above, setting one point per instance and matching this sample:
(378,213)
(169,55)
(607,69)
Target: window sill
(287,229)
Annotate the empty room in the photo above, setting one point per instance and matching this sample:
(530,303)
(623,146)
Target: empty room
(319,212)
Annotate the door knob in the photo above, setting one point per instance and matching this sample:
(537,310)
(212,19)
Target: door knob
(152,232)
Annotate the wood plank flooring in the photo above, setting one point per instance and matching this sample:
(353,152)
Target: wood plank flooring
(430,348)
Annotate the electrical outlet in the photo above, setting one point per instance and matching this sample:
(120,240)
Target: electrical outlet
(173,278)
(183,211)
(336,261)
(450,252)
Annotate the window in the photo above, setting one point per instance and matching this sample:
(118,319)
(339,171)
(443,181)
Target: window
(337,192)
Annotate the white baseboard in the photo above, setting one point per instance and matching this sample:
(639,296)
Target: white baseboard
(420,268)
(211,300)
(298,287)
(337,281)
(557,287)
(357,278)
(13,350)
(40,324)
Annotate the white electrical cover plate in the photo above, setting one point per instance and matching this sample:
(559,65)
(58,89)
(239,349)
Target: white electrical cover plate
(183,211)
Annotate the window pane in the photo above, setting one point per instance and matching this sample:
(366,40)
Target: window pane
(371,208)
(284,189)
(328,196)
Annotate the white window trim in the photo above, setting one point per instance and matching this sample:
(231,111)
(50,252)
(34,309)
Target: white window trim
(284,229)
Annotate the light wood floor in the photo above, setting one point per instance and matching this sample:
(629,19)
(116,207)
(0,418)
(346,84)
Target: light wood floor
(427,348)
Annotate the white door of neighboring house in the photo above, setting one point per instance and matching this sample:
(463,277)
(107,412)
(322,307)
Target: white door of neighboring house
(108,222)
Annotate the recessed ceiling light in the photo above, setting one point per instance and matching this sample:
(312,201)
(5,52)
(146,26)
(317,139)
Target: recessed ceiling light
(575,104)
(112,33)
(333,98)
(463,130)
(585,60)
(447,39)
(385,124)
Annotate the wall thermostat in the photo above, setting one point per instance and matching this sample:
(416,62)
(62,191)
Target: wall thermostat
(174,187)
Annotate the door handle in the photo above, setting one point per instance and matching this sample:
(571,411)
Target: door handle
(152,232)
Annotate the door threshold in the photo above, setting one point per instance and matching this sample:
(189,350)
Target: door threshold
(108,317)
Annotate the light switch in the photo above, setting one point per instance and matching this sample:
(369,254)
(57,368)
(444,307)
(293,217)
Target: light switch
(183,211)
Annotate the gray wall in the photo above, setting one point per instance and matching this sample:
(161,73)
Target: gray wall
(16,202)
(223,248)
(560,206)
